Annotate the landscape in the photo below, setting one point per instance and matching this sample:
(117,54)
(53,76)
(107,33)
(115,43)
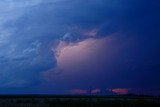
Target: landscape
(78,101)
(79,53)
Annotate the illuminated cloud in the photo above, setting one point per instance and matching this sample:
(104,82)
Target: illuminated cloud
(95,91)
(90,33)
(76,58)
(119,90)
(78,91)
(84,91)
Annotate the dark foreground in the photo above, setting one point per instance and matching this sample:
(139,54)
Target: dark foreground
(77,101)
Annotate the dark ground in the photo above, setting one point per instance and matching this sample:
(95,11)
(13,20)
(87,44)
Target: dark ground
(78,101)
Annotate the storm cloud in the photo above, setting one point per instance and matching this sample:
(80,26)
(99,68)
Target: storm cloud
(114,43)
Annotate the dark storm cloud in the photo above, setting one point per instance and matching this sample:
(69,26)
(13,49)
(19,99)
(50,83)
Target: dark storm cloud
(31,28)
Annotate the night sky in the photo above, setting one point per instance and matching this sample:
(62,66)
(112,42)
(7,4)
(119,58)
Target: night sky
(71,46)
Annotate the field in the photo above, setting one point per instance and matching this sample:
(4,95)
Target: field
(78,101)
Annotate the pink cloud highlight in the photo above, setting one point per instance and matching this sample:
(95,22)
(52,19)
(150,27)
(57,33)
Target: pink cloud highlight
(78,91)
(84,91)
(119,91)
(95,91)
(92,32)
(77,60)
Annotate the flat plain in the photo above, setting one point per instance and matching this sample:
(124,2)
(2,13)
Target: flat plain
(78,101)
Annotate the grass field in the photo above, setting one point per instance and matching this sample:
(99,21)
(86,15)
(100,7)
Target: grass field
(77,101)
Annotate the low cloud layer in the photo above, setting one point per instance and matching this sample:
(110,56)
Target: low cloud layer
(120,91)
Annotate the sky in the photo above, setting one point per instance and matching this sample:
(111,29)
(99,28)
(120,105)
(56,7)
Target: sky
(72,46)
